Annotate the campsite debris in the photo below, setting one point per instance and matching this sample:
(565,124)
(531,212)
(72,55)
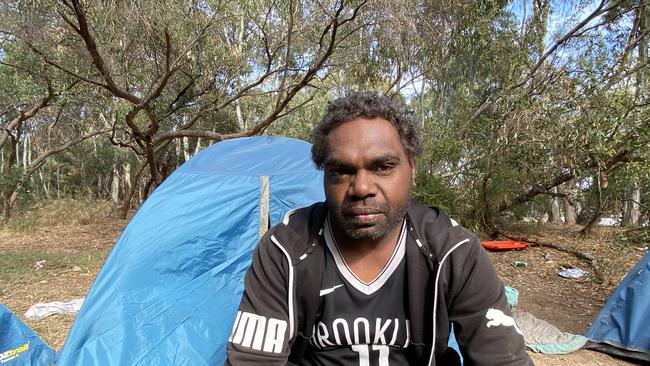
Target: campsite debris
(76,268)
(40,264)
(520,264)
(543,337)
(547,258)
(573,272)
(512,294)
(42,310)
(504,244)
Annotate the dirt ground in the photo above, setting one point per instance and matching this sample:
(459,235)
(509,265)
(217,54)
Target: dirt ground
(568,304)
(74,255)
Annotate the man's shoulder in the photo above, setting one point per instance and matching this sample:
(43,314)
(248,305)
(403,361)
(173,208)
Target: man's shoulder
(298,229)
(434,228)
(299,218)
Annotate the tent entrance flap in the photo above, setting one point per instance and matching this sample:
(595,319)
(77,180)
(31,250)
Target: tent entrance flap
(264,205)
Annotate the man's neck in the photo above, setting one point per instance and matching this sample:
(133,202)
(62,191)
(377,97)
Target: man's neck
(366,258)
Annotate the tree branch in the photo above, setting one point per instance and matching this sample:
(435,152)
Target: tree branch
(92,48)
(25,115)
(40,160)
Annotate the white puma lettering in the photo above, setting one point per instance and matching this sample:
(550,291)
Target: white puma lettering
(496,318)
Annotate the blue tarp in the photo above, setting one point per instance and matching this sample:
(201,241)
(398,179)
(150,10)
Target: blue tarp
(623,325)
(169,290)
(19,345)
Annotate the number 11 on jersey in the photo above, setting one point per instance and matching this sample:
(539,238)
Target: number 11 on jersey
(364,354)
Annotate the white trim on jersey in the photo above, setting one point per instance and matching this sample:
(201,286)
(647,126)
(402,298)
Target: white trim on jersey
(435,296)
(383,276)
(287,216)
(290,288)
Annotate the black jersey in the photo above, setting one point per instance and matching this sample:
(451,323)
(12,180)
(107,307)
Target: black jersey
(362,324)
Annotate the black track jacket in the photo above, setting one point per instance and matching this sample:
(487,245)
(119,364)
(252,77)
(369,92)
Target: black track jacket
(448,273)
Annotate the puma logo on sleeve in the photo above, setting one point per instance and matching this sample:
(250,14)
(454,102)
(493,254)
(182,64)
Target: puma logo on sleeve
(259,333)
(496,317)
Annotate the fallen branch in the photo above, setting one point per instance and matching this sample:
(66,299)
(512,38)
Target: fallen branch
(562,248)
(599,277)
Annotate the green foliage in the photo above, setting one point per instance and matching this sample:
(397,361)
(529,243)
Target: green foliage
(434,192)
(638,238)
(11,180)
(495,124)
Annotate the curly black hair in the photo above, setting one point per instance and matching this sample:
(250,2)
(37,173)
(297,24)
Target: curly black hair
(366,105)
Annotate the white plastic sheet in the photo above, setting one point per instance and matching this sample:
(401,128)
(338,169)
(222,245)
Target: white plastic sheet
(42,310)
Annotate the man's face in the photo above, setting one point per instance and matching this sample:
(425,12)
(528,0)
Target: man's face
(368,178)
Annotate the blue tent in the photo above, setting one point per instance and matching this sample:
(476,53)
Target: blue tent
(168,292)
(623,325)
(19,345)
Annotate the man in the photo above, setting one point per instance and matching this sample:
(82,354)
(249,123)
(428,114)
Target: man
(370,277)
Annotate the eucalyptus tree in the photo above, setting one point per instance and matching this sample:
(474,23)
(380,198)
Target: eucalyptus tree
(524,110)
(211,70)
(36,105)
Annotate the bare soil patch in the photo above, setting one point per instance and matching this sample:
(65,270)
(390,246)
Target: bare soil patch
(568,304)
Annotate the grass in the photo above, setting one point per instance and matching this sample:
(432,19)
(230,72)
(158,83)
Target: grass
(70,239)
(62,277)
(21,267)
(61,212)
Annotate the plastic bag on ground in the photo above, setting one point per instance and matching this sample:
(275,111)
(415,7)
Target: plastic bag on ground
(43,310)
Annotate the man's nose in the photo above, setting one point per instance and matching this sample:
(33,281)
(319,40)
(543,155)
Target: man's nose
(362,185)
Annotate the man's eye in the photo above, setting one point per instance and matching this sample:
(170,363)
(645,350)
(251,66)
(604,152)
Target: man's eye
(335,172)
(383,168)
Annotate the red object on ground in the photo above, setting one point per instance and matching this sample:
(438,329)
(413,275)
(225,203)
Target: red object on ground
(504,244)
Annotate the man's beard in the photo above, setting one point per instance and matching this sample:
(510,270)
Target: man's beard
(342,218)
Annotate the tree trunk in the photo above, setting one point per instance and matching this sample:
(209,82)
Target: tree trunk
(179,150)
(632,207)
(115,184)
(46,190)
(488,215)
(8,193)
(569,213)
(186,149)
(197,148)
(128,196)
(554,211)
(58,183)
(126,178)
(25,150)
(600,208)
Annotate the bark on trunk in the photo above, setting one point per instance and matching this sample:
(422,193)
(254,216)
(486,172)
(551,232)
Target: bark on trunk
(8,198)
(569,213)
(25,150)
(632,207)
(197,148)
(554,211)
(128,196)
(7,206)
(600,208)
(186,149)
(115,184)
